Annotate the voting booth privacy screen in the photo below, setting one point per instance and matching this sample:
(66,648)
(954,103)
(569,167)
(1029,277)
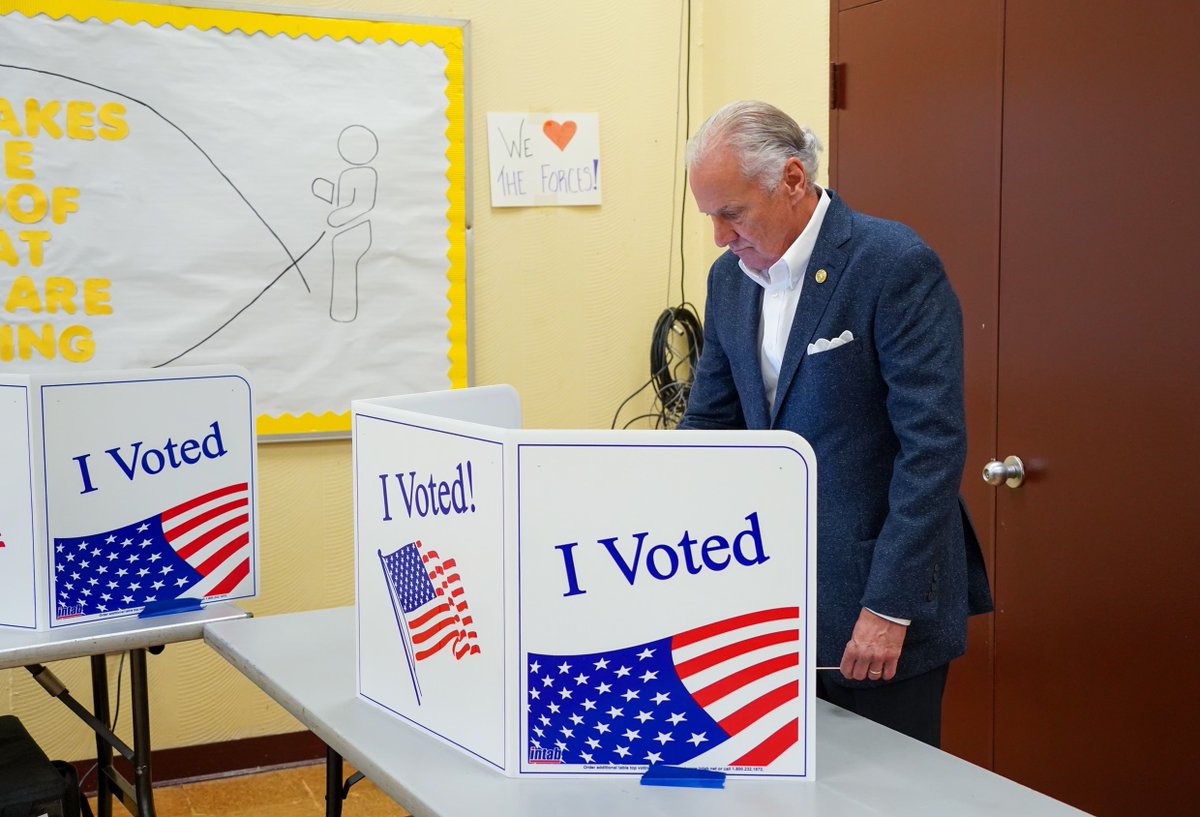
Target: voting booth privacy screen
(124,490)
(585,602)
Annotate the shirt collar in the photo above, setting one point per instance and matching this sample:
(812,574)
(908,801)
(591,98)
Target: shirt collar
(788,271)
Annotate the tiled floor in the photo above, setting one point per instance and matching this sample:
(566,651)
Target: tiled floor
(294,792)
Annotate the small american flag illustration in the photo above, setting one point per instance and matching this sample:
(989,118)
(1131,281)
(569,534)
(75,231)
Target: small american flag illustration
(430,605)
(198,549)
(722,695)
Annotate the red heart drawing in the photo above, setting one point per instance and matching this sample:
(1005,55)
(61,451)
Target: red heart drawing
(560,135)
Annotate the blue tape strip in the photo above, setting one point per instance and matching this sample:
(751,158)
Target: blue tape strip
(169,607)
(663,775)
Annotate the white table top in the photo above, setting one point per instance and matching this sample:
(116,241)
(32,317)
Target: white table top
(23,647)
(306,662)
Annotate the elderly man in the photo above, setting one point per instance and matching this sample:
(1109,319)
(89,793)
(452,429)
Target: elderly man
(844,329)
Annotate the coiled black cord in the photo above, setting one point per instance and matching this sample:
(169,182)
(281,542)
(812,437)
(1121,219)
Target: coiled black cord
(675,347)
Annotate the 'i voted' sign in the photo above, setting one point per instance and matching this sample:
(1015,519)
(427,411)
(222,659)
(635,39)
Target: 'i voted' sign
(133,489)
(586,602)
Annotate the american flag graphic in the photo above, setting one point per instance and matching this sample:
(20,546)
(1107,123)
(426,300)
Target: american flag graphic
(429,596)
(722,695)
(197,549)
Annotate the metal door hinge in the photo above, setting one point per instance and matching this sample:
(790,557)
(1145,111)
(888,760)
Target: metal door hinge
(837,86)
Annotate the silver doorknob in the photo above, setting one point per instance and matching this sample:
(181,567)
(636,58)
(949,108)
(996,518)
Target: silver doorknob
(1011,472)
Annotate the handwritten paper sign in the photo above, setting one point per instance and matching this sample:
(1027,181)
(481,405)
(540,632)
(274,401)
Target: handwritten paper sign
(544,159)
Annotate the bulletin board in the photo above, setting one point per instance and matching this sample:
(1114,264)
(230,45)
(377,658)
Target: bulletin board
(279,191)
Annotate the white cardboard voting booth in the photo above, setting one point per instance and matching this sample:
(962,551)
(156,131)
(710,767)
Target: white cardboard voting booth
(585,602)
(123,490)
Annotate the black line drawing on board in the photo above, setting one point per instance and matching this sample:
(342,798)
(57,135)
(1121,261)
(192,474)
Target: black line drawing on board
(294,261)
(253,300)
(353,197)
(361,146)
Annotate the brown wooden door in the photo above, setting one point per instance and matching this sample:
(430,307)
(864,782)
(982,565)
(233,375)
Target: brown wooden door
(1097,655)
(918,140)
(1094,372)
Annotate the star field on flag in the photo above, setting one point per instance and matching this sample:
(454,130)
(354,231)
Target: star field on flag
(718,695)
(197,549)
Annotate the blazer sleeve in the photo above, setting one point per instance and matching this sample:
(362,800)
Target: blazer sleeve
(919,338)
(713,402)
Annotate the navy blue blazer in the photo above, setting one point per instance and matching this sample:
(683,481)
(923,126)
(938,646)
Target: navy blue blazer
(884,414)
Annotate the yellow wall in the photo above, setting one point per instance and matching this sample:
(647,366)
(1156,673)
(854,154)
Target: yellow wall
(564,298)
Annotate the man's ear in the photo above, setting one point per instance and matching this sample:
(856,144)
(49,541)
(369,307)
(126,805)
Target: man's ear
(795,180)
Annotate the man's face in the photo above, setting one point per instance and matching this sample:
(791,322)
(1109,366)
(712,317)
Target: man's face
(758,225)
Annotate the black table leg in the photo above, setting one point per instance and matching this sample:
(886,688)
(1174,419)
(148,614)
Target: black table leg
(333,783)
(141,733)
(104,750)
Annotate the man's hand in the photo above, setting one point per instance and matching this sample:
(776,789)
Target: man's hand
(874,648)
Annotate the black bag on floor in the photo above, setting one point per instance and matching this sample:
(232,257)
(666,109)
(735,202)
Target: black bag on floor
(74,803)
(29,783)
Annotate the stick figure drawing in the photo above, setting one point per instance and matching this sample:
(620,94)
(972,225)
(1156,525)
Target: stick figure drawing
(353,197)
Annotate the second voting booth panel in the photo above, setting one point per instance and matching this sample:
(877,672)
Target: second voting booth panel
(123,490)
(586,602)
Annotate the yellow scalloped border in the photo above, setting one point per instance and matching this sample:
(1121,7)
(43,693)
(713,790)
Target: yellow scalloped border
(307,423)
(447,37)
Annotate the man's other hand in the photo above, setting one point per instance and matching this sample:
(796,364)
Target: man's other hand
(874,648)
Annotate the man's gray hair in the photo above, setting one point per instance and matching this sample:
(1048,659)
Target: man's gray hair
(763,138)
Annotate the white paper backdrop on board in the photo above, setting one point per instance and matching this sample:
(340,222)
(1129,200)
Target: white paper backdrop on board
(197,186)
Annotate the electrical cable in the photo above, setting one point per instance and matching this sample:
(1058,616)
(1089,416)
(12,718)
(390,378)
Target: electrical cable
(624,402)
(675,347)
(687,129)
(678,335)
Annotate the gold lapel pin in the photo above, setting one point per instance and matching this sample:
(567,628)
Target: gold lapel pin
(821,276)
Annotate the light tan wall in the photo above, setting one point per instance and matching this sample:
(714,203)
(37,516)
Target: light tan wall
(773,50)
(564,298)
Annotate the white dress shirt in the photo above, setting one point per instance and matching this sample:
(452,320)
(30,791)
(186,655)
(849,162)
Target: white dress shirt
(782,283)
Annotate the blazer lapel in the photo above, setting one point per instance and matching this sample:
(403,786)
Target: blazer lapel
(814,297)
(743,353)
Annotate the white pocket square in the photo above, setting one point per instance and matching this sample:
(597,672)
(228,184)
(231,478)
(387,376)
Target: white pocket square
(823,345)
